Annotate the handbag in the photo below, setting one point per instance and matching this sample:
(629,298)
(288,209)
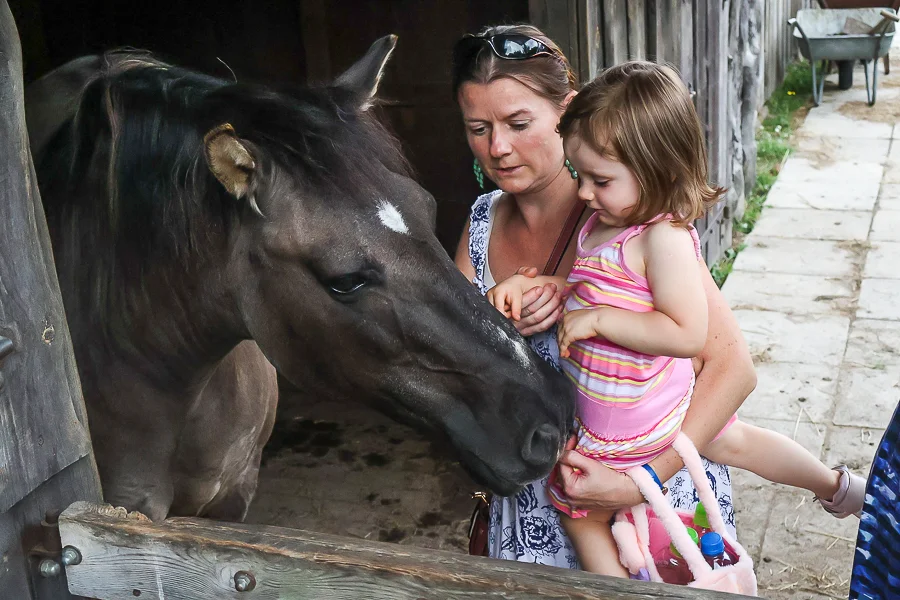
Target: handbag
(480,519)
(635,537)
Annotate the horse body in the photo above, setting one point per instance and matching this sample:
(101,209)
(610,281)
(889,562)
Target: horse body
(205,231)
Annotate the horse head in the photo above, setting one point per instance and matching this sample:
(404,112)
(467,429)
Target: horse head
(341,281)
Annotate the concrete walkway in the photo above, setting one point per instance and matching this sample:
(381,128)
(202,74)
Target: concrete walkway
(817,294)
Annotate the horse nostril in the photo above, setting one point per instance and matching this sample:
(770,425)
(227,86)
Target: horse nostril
(542,446)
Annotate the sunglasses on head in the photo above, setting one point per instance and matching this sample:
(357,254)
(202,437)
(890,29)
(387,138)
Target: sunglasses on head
(506,46)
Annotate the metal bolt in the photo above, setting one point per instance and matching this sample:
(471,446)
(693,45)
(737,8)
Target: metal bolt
(70,556)
(244,581)
(50,568)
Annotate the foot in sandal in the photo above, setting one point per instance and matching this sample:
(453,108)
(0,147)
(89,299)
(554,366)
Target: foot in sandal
(849,498)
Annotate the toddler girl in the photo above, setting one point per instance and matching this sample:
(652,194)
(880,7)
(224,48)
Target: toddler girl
(635,311)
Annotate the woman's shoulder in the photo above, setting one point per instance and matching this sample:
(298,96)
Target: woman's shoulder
(481,209)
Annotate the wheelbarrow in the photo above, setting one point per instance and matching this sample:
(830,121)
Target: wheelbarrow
(825,35)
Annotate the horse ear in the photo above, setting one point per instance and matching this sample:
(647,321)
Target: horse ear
(230,161)
(364,76)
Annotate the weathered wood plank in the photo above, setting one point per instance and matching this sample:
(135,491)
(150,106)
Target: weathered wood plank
(615,32)
(559,20)
(193,559)
(20,530)
(637,29)
(42,416)
(591,39)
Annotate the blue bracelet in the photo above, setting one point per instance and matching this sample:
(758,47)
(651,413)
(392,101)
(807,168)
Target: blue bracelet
(655,477)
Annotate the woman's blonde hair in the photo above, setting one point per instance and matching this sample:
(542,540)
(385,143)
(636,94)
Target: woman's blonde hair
(640,114)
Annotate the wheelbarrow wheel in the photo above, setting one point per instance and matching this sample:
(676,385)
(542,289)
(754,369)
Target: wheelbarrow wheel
(845,74)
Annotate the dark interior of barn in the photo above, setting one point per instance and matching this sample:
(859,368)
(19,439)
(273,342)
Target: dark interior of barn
(294,41)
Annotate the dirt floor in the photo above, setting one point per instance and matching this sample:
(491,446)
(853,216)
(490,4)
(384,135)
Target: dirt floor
(351,471)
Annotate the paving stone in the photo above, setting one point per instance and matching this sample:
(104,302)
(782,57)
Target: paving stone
(783,390)
(777,337)
(889,197)
(799,223)
(839,185)
(822,151)
(879,299)
(752,506)
(886,226)
(852,446)
(867,397)
(873,344)
(824,258)
(882,261)
(788,293)
(807,553)
(837,125)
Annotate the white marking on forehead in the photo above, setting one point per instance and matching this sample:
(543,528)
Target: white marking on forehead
(391,217)
(518,347)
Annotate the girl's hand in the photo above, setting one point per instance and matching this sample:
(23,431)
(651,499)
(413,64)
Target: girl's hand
(589,485)
(578,325)
(507,295)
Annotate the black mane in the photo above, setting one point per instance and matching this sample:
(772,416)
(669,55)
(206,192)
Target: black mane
(127,170)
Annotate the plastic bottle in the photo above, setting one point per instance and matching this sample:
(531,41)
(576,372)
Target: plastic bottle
(701,520)
(713,548)
(672,567)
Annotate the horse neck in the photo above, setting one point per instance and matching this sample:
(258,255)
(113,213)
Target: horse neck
(174,327)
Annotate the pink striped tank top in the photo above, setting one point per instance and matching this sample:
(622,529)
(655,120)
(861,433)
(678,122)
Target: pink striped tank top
(630,405)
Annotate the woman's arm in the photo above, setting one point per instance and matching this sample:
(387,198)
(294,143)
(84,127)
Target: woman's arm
(725,379)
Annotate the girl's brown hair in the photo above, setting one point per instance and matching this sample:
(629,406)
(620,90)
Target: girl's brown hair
(640,114)
(550,77)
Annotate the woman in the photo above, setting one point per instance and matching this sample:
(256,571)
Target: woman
(512,84)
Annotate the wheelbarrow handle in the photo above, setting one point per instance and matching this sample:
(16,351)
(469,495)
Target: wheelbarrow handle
(793,23)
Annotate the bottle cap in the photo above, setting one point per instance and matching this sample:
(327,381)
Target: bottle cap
(694,538)
(712,544)
(700,517)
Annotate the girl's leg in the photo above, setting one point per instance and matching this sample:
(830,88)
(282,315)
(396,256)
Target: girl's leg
(594,544)
(774,457)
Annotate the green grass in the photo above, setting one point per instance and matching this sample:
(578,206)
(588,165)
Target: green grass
(772,145)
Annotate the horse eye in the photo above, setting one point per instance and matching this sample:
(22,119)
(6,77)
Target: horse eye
(347,284)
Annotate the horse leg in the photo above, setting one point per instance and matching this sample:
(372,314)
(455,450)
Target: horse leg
(134,431)
(218,455)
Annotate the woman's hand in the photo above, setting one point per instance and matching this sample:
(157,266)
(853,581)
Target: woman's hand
(541,306)
(589,485)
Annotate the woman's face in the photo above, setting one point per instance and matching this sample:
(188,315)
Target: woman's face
(512,133)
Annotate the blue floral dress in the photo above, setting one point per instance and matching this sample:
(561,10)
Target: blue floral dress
(526,527)
(876,563)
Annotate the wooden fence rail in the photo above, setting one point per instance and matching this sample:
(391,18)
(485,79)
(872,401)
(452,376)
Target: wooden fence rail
(196,559)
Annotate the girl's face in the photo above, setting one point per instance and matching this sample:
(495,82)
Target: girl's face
(605,185)
(512,133)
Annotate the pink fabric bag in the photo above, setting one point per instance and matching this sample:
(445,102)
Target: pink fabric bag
(634,538)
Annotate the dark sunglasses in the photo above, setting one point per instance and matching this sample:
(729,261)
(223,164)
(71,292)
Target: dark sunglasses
(505,46)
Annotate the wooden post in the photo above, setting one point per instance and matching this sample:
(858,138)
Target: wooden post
(195,559)
(45,453)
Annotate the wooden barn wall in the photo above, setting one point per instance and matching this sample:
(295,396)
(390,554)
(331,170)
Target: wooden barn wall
(715,44)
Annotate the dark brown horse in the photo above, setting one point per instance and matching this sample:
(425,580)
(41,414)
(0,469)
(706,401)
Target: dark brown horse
(205,230)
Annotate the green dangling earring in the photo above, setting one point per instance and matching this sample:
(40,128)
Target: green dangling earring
(479,174)
(571,169)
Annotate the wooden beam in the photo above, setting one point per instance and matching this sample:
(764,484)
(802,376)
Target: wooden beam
(193,559)
(43,425)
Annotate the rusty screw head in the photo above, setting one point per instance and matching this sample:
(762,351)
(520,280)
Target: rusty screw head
(49,568)
(244,581)
(70,556)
